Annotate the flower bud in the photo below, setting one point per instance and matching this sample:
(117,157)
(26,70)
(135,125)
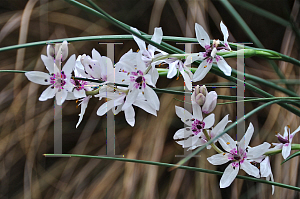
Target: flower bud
(64,50)
(200,99)
(210,102)
(61,50)
(203,90)
(50,50)
(195,93)
(85,60)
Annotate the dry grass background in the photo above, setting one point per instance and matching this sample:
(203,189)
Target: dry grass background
(26,124)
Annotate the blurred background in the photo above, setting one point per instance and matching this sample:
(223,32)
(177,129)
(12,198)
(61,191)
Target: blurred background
(26,124)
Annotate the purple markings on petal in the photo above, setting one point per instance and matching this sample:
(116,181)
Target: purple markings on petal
(197,126)
(282,139)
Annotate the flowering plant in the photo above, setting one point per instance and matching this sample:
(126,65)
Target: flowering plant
(126,94)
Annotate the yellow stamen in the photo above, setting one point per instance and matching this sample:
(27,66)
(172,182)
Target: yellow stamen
(228,143)
(177,78)
(205,66)
(289,126)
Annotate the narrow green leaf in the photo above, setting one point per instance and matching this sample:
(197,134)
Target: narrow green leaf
(291,156)
(172,165)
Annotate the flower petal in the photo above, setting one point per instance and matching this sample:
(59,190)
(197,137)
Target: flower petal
(222,64)
(151,97)
(131,97)
(48,93)
(258,150)
(220,127)
(202,36)
(265,167)
(182,133)
(193,57)
(96,55)
(184,115)
(209,121)
(69,65)
(296,131)
(202,71)
(210,102)
(139,42)
(218,159)
(228,176)
(38,77)
(157,37)
(224,31)
(227,142)
(104,108)
(172,70)
(247,137)
(197,113)
(61,96)
(83,107)
(250,169)
(286,150)
(145,106)
(49,63)
(191,141)
(187,80)
(79,93)
(129,115)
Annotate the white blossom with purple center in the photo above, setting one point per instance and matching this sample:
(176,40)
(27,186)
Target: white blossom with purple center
(58,81)
(285,141)
(147,55)
(116,99)
(192,135)
(210,54)
(134,73)
(239,155)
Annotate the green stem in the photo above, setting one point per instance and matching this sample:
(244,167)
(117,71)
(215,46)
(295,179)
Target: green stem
(173,165)
(274,152)
(269,54)
(212,144)
(261,12)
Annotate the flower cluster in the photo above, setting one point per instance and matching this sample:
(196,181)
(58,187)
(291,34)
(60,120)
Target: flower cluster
(132,82)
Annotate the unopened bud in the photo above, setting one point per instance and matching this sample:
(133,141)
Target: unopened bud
(50,50)
(85,60)
(203,90)
(200,99)
(210,102)
(64,50)
(195,93)
(61,50)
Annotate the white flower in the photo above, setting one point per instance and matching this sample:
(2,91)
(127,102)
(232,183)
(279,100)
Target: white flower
(133,73)
(97,67)
(285,141)
(59,81)
(239,155)
(176,65)
(147,55)
(196,123)
(116,99)
(209,56)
